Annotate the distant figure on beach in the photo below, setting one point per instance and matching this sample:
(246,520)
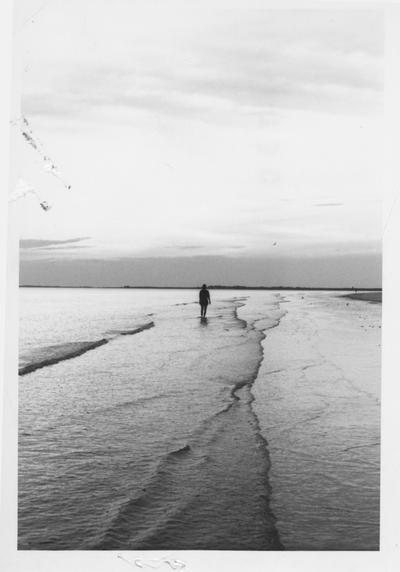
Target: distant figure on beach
(204,300)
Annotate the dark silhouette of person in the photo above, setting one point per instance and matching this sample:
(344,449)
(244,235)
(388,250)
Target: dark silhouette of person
(204,300)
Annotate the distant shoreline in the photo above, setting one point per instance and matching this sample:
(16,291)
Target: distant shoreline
(295,288)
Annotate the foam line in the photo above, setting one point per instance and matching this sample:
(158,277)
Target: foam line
(54,354)
(62,352)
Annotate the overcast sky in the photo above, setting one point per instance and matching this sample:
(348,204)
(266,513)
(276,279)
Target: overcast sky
(240,139)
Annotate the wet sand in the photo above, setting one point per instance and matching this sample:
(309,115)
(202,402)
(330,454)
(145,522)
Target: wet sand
(375,297)
(317,397)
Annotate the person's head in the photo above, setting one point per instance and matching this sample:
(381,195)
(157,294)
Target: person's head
(204,286)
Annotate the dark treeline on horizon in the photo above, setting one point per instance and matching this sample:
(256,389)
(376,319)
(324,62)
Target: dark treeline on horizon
(211,287)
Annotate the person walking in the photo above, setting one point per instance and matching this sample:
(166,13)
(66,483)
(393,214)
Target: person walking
(204,300)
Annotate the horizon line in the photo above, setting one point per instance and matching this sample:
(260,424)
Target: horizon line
(215,287)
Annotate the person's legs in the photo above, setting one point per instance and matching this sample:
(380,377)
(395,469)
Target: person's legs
(205,310)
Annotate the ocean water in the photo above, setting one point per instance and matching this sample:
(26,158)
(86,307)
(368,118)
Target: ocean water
(143,427)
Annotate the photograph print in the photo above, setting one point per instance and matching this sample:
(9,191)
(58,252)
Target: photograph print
(198,198)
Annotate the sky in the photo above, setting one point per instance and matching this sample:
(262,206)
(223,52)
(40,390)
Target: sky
(227,144)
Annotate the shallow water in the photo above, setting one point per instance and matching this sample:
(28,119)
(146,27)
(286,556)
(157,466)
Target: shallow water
(155,441)
(317,396)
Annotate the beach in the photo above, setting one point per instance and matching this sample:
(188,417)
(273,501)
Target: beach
(375,297)
(142,426)
(318,399)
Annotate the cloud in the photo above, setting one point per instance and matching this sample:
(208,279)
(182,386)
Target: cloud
(187,247)
(328,204)
(65,247)
(188,133)
(283,63)
(307,83)
(28,243)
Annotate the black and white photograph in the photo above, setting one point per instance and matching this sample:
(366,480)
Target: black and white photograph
(198,193)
